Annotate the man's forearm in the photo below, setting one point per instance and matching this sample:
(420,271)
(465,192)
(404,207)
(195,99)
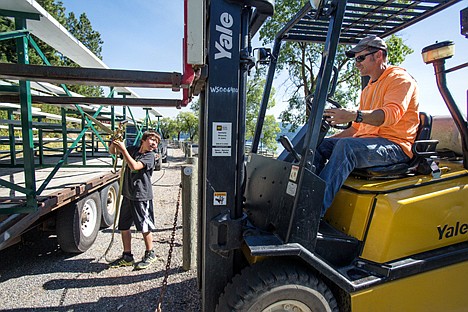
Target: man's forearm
(373,117)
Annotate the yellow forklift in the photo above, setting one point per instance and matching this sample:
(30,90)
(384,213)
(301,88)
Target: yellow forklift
(395,239)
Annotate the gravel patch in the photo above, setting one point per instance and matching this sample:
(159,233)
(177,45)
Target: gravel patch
(37,276)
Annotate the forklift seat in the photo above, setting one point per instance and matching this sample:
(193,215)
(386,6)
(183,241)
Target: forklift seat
(422,148)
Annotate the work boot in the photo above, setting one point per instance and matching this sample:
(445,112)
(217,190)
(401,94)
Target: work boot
(125,260)
(149,258)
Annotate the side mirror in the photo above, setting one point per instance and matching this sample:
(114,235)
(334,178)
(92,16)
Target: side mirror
(262,56)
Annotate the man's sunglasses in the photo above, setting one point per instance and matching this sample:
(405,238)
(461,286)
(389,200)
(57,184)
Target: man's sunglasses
(362,57)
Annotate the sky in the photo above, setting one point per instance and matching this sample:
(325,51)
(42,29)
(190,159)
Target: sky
(147,35)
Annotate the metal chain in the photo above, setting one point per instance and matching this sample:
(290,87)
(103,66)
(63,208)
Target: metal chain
(169,255)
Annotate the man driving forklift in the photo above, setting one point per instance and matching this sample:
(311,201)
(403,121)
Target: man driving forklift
(383,128)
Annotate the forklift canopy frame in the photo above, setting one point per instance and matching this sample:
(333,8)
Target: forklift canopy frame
(362,18)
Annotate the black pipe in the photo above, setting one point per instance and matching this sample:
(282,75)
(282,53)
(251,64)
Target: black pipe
(460,122)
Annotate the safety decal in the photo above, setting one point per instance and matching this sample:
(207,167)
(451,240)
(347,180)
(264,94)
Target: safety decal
(221,151)
(220,199)
(222,134)
(291,188)
(293,173)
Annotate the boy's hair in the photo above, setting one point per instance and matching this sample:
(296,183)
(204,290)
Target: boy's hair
(151,133)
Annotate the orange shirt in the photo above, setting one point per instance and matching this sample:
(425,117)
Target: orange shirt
(396,94)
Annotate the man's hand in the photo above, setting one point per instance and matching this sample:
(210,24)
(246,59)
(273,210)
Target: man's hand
(338,116)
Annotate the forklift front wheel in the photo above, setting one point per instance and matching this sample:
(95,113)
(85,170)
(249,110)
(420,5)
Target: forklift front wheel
(277,286)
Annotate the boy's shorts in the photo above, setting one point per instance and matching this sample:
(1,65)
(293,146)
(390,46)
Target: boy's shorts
(139,213)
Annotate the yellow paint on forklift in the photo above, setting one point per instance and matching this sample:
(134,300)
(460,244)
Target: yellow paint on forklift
(439,290)
(415,220)
(397,218)
(350,213)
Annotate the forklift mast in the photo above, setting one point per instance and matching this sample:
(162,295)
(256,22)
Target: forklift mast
(230,26)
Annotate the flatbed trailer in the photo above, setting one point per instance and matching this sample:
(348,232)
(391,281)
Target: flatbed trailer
(56,174)
(70,186)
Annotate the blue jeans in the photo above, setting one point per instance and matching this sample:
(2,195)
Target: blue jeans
(345,154)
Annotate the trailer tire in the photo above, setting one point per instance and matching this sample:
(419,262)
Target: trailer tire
(272,285)
(158,163)
(77,224)
(109,198)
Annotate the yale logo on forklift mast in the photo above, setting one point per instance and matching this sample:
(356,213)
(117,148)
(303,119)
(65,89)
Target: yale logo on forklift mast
(224,45)
(450,231)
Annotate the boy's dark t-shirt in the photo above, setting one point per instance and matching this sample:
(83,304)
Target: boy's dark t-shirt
(137,184)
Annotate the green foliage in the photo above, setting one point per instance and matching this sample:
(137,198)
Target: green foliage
(302,62)
(84,32)
(397,50)
(169,127)
(7,50)
(270,130)
(195,107)
(80,28)
(188,123)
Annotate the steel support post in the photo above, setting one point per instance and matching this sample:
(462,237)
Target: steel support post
(26,119)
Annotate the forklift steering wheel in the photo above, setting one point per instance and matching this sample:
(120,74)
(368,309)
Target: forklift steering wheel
(324,120)
(340,127)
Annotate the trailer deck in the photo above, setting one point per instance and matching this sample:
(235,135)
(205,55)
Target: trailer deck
(70,181)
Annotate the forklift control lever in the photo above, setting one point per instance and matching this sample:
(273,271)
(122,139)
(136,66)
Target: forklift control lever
(286,142)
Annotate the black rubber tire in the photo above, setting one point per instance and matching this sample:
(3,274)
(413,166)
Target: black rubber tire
(77,224)
(271,285)
(109,203)
(159,163)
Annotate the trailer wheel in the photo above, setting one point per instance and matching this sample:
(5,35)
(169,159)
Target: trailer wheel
(109,199)
(276,286)
(78,224)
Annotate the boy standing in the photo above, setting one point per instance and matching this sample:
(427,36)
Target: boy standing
(137,203)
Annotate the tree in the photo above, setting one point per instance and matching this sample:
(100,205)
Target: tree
(302,61)
(270,128)
(195,107)
(169,128)
(81,29)
(188,123)
(84,32)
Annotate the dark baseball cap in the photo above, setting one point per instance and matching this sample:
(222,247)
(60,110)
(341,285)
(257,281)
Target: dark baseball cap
(371,41)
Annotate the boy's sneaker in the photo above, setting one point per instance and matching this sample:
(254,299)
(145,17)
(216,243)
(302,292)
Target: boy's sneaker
(149,258)
(125,260)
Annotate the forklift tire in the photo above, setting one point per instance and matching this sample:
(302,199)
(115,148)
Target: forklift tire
(109,203)
(77,224)
(276,286)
